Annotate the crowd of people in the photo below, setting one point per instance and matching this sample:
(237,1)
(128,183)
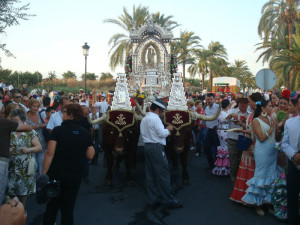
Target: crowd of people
(254,140)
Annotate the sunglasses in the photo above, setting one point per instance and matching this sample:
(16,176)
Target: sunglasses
(18,96)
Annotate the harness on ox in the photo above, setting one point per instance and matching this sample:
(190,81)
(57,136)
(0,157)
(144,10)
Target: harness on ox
(178,119)
(121,119)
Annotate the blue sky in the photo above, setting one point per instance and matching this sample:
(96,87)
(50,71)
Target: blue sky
(52,40)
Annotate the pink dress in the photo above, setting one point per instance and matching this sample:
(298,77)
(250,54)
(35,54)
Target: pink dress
(222,165)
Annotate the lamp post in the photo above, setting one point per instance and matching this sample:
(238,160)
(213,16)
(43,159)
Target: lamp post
(85,49)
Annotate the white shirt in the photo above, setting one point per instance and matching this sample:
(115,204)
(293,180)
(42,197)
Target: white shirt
(43,114)
(211,112)
(102,105)
(55,120)
(152,129)
(235,135)
(95,126)
(10,87)
(2,85)
(291,138)
(23,106)
(44,92)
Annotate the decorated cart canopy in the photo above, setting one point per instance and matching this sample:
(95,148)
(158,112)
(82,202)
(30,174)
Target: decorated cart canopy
(226,84)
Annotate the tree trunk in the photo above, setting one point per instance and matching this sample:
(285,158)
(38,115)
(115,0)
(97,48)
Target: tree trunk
(211,82)
(202,81)
(183,74)
(290,28)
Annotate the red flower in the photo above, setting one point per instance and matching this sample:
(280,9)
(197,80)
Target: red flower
(172,62)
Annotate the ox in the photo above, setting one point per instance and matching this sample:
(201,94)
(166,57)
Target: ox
(179,141)
(119,144)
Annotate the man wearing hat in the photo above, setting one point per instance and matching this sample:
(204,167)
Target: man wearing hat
(156,165)
(237,119)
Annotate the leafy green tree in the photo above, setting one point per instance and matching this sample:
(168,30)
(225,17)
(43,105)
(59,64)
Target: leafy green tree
(52,75)
(10,15)
(5,74)
(105,76)
(183,47)
(90,76)
(69,74)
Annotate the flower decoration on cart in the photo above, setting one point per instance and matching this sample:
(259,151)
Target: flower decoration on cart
(173,64)
(128,65)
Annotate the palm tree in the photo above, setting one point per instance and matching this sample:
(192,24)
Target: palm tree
(164,21)
(217,51)
(277,22)
(183,47)
(200,64)
(287,61)
(241,71)
(121,43)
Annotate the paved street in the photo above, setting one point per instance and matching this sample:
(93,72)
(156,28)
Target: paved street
(206,200)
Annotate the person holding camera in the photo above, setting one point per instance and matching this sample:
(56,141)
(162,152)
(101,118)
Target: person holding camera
(69,146)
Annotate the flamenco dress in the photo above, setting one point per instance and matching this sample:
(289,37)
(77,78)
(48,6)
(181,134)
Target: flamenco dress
(222,165)
(246,169)
(266,170)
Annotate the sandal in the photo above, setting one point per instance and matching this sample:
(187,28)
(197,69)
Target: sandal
(259,211)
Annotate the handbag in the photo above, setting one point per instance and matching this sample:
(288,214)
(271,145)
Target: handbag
(243,142)
(31,166)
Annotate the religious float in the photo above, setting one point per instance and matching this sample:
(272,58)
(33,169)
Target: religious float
(148,65)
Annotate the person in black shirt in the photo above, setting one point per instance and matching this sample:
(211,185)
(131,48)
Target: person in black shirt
(69,146)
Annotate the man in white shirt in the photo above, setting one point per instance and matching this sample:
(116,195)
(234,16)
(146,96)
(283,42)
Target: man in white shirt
(211,139)
(10,87)
(291,147)
(102,105)
(56,118)
(156,164)
(237,117)
(17,100)
(2,84)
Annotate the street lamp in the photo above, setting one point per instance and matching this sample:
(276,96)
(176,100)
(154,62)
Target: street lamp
(85,49)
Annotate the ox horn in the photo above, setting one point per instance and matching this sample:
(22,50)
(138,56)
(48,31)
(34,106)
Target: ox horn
(208,118)
(99,120)
(138,117)
(139,109)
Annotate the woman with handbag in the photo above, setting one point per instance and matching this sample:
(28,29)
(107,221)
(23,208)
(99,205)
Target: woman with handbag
(69,146)
(266,169)
(21,169)
(34,119)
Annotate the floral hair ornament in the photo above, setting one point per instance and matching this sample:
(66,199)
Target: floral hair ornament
(258,103)
(294,95)
(286,93)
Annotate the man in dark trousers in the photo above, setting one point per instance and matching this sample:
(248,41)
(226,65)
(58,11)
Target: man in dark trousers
(157,170)
(291,147)
(212,138)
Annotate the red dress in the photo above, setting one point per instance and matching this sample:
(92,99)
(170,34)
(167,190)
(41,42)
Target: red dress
(246,170)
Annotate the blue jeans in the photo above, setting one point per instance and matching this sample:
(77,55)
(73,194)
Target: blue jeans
(201,135)
(3,179)
(39,157)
